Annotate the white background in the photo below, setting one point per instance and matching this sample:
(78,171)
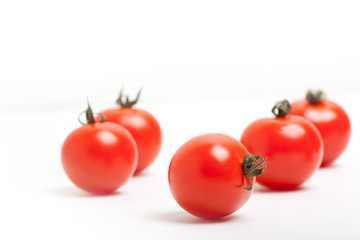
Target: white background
(205,66)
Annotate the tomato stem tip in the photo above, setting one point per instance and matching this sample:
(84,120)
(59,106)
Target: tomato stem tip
(89,115)
(315,97)
(127,103)
(281,109)
(252,166)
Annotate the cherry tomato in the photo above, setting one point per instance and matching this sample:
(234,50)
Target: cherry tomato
(99,157)
(292,145)
(211,175)
(330,119)
(143,127)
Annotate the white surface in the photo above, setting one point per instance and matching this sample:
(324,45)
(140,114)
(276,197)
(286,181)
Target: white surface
(53,54)
(39,202)
(204,66)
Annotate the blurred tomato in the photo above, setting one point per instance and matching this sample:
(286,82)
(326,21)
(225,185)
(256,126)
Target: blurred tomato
(292,145)
(209,175)
(143,126)
(330,119)
(99,157)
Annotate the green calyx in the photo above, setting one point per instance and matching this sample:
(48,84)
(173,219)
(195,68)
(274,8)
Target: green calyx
(90,115)
(252,166)
(281,109)
(314,97)
(127,103)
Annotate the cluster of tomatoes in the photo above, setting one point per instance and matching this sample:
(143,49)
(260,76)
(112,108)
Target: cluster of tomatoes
(211,175)
(105,152)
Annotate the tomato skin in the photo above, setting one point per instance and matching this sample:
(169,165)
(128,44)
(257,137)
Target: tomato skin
(99,157)
(332,122)
(144,128)
(206,178)
(292,145)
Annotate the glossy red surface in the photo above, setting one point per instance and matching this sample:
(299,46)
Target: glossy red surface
(145,130)
(332,122)
(99,157)
(206,178)
(293,148)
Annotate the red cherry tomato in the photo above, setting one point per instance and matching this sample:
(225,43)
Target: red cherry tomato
(292,145)
(143,127)
(330,119)
(206,175)
(99,157)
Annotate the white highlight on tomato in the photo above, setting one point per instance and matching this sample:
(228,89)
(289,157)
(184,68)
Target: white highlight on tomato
(107,137)
(219,152)
(320,115)
(293,131)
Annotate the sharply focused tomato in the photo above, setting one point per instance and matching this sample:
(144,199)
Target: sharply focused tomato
(209,176)
(292,145)
(330,119)
(99,157)
(143,127)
